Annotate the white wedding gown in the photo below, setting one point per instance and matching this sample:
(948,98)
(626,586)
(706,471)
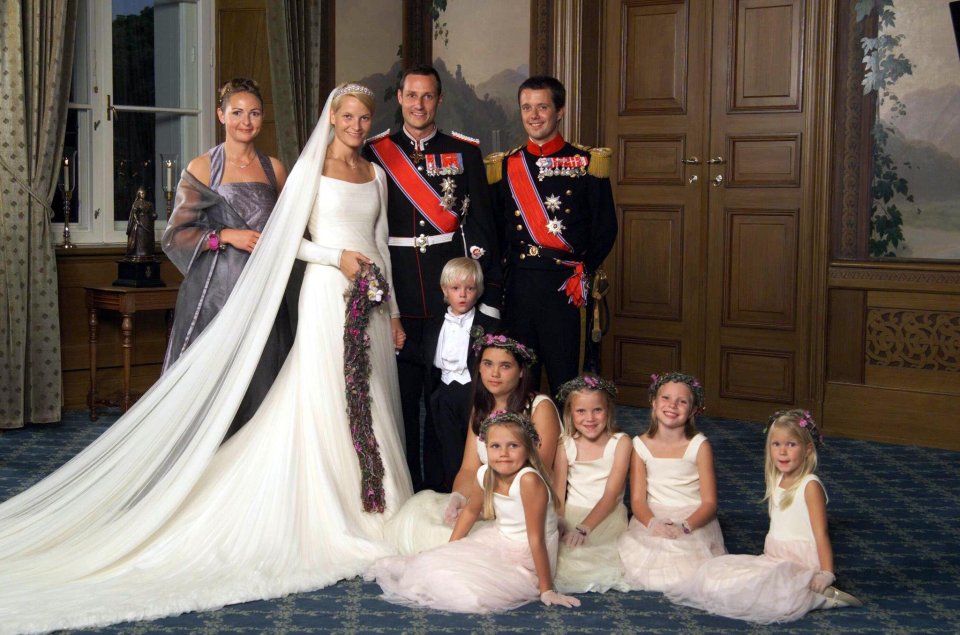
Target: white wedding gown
(275,510)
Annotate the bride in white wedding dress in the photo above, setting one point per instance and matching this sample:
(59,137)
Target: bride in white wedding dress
(153,519)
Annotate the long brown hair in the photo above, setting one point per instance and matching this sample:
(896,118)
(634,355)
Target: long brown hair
(519,400)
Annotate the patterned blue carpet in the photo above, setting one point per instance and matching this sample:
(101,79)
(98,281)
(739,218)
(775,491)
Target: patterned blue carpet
(894,521)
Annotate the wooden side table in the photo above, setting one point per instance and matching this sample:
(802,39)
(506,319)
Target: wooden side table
(126,301)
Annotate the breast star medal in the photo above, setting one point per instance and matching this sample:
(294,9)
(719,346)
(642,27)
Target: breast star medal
(555,226)
(552,203)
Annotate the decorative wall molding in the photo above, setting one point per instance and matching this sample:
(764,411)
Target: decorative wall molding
(901,338)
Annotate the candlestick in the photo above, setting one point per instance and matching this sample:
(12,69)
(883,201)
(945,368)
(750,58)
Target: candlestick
(168,175)
(66,185)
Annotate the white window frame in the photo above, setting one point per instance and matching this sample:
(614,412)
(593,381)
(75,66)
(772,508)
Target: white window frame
(95,178)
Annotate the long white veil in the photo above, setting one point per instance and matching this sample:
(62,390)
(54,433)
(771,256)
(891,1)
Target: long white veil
(120,490)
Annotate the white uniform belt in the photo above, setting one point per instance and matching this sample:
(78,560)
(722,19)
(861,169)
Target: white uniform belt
(420,241)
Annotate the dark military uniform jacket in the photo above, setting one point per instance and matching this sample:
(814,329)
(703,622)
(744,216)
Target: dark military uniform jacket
(557,213)
(450,166)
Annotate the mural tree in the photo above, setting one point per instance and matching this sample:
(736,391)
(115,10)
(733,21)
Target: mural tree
(883,66)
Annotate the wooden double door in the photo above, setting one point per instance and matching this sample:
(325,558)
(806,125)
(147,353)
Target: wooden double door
(708,107)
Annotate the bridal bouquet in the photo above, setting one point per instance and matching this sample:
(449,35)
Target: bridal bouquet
(368,291)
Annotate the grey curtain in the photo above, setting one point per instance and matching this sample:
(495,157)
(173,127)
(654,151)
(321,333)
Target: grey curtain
(35,73)
(294,42)
(297,66)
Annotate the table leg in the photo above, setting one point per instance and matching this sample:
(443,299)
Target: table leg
(126,330)
(92,395)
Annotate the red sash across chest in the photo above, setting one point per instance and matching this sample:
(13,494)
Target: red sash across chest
(416,188)
(532,211)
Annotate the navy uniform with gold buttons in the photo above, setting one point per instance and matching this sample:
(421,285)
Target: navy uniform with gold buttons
(559,223)
(438,208)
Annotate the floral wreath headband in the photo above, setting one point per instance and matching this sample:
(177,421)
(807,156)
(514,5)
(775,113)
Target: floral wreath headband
(498,417)
(804,420)
(353,88)
(656,381)
(483,340)
(586,382)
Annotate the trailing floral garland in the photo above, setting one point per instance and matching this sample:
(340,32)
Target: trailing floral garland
(369,290)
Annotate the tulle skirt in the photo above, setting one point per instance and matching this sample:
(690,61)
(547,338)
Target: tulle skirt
(484,572)
(773,587)
(652,563)
(419,526)
(595,565)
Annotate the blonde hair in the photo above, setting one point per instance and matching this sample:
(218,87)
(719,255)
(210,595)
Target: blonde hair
(353,89)
(235,86)
(790,423)
(460,270)
(570,430)
(689,426)
(533,460)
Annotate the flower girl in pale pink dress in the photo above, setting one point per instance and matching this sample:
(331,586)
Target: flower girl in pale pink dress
(673,491)
(503,565)
(589,476)
(794,574)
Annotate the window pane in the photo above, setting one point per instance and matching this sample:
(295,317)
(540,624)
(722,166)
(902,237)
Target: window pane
(155,53)
(138,141)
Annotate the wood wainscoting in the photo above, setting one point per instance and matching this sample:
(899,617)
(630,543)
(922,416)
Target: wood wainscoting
(97,267)
(893,353)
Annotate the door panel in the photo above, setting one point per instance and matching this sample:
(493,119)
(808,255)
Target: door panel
(705,107)
(756,349)
(655,97)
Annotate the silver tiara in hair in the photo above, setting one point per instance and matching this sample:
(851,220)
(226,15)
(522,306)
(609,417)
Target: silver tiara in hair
(353,88)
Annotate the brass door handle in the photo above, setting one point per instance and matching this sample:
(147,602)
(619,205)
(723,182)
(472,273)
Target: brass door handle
(717,160)
(717,180)
(690,161)
(693,179)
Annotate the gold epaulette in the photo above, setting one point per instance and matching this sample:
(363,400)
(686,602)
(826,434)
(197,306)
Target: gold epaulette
(494,164)
(377,137)
(600,162)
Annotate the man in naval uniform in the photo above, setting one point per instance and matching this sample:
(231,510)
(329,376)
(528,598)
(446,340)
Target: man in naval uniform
(555,204)
(438,208)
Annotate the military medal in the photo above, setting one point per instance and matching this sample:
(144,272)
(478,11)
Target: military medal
(555,226)
(448,164)
(573,166)
(552,203)
(417,156)
(448,186)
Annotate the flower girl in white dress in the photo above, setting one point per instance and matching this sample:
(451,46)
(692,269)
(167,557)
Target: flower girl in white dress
(673,491)
(590,474)
(503,565)
(794,574)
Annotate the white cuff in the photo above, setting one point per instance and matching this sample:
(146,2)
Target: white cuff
(488,310)
(318,254)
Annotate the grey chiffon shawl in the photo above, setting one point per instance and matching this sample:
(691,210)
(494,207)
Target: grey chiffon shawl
(209,276)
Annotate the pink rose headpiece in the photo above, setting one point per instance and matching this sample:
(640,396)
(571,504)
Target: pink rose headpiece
(804,420)
(656,381)
(483,340)
(586,382)
(502,416)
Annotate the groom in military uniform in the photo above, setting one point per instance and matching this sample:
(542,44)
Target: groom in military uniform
(438,208)
(556,205)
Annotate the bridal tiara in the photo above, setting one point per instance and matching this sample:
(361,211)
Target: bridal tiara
(353,88)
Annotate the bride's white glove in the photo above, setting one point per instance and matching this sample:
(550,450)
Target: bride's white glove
(456,504)
(552,598)
(318,254)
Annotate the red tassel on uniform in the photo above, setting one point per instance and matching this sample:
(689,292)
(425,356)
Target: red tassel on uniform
(576,286)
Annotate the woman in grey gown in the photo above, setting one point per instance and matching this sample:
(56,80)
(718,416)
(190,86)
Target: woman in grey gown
(224,199)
